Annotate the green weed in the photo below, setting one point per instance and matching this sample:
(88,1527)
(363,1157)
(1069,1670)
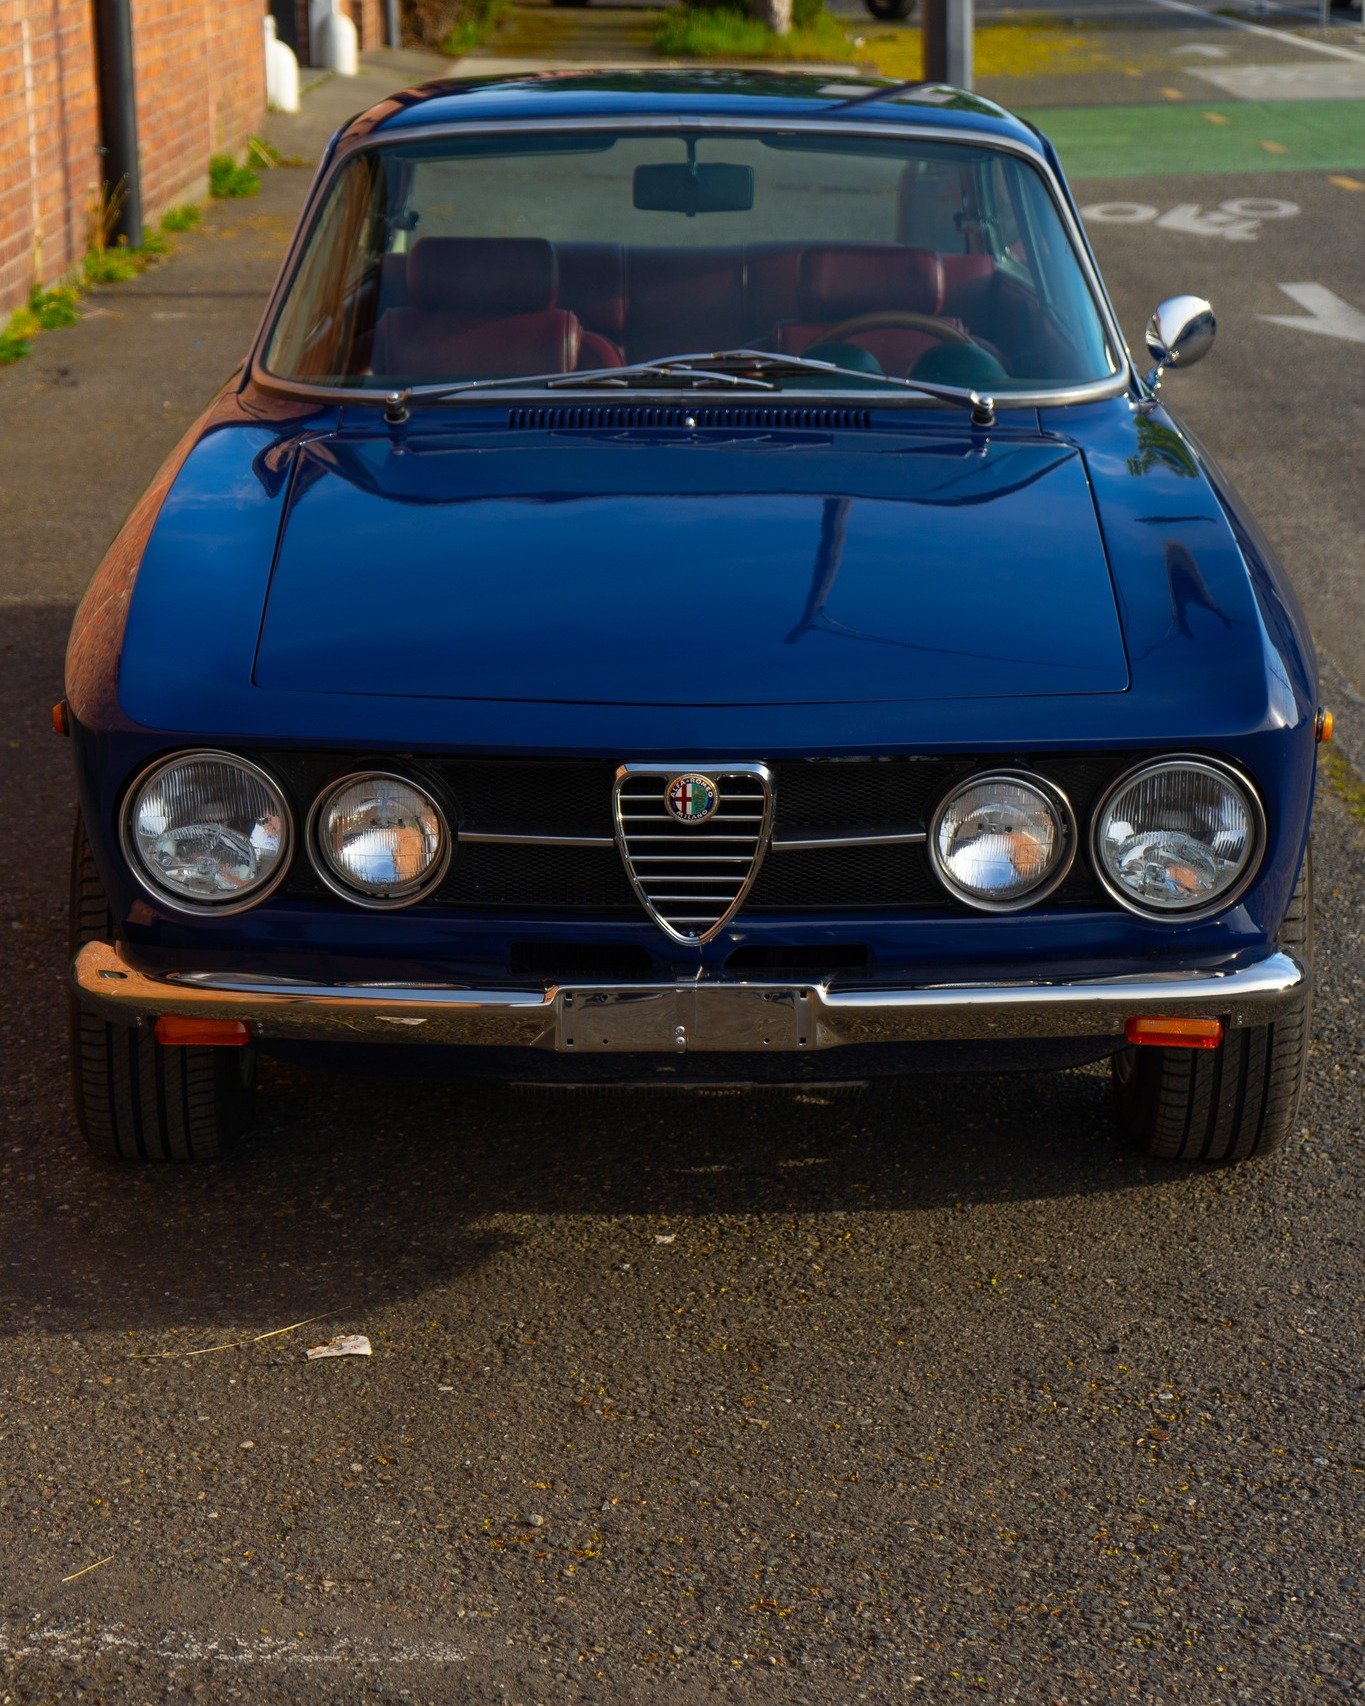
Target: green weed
(16,335)
(228,181)
(111,266)
(55,307)
(705,32)
(477,22)
(183,218)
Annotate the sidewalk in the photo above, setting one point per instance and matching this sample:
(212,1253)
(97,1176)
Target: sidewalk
(86,420)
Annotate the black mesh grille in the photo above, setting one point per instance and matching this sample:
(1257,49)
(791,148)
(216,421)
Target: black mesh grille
(571,797)
(815,796)
(552,879)
(838,796)
(600,417)
(876,876)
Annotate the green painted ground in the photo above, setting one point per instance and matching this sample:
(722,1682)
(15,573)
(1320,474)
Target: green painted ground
(1155,141)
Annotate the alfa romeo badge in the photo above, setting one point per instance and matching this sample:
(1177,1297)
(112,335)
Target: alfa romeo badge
(691,799)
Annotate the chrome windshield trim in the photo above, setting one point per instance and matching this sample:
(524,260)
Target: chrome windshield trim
(1096,390)
(1122,381)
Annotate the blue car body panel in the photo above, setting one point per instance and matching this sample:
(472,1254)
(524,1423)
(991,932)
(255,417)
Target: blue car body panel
(702,570)
(1081,579)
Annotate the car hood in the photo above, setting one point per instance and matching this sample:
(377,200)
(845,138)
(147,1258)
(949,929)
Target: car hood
(691,571)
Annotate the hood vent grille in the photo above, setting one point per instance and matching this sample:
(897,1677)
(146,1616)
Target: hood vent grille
(701,417)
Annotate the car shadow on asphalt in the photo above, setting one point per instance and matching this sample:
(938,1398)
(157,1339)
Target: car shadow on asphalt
(357,1190)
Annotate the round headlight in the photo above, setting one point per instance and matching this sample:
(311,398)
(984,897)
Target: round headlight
(1177,836)
(999,842)
(206,830)
(381,840)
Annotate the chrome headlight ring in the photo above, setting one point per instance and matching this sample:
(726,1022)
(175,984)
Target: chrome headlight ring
(1223,772)
(1063,815)
(396,896)
(134,796)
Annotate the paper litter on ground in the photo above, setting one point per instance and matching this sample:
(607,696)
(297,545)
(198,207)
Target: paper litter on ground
(344,1345)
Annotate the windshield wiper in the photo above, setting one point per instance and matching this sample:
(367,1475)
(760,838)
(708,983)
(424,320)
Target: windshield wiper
(398,404)
(749,369)
(766,363)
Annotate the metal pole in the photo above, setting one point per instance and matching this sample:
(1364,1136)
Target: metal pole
(947,37)
(118,117)
(392,30)
(934,37)
(960,26)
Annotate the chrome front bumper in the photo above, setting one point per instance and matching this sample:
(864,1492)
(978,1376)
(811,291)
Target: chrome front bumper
(683,1017)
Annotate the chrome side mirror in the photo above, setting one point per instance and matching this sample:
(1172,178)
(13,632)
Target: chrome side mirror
(1179,334)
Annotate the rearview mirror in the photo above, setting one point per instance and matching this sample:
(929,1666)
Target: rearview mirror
(693,189)
(1179,334)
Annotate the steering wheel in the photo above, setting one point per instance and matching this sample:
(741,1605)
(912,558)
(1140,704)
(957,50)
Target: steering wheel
(929,323)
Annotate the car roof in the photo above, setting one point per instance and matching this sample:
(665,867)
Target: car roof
(829,97)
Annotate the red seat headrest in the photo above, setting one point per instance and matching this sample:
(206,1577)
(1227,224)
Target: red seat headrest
(483,275)
(839,281)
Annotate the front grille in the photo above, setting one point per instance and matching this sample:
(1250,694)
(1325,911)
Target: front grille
(811,797)
(703,417)
(691,875)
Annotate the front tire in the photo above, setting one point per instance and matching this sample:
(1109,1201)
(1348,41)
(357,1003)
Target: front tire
(136,1099)
(1230,1103)
(890,11)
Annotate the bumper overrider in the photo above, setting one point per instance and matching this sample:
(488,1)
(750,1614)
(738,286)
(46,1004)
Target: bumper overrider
(759,1017)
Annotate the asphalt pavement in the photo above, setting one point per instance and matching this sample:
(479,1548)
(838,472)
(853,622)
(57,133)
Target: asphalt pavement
(925,1391)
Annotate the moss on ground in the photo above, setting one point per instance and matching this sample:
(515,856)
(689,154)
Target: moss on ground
(1335,772)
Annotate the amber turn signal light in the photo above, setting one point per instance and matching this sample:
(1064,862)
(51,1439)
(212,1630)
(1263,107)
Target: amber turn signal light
(1324,726)
(1175,1033)
(61,718)
(179,1031)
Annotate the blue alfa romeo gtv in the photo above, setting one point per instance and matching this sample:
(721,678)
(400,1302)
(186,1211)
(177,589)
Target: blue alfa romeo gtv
(690,586)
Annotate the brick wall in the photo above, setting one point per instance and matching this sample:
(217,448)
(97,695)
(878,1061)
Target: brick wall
(49,131)
(369,20)
(200,90)
(200,69)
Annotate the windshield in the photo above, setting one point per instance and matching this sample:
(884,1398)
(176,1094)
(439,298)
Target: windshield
(489,257)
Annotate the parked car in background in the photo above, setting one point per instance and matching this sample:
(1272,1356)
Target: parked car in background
(689,585)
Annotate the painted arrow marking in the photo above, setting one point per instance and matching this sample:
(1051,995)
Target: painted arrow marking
(1327,313)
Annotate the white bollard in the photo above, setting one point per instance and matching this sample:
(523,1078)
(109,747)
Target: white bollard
(281,72)
(338,42)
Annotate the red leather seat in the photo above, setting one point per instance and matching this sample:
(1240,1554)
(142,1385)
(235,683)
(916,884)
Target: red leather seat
(480,308)
(592,285)
(773,285)
(844,281)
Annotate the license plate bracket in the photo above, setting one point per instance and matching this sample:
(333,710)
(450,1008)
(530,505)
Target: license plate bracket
(686,1019)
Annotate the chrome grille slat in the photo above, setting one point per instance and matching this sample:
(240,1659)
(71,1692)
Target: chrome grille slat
(679,867)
